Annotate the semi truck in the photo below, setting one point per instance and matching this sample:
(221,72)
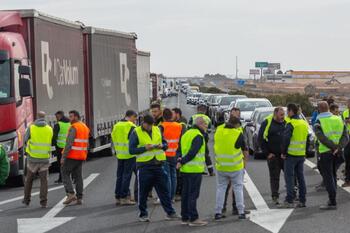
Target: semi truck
(50,64)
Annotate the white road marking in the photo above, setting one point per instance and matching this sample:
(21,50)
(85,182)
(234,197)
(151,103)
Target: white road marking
(270,219)
(48,221)
(339,182)
(33,194)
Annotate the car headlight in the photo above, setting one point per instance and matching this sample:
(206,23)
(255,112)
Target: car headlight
(7,145)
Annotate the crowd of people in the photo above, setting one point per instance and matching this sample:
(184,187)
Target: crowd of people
(170,155)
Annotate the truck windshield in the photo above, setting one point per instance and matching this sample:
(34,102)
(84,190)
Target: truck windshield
(5,79)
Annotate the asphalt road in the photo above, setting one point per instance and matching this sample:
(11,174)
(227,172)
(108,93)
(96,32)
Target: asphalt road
(99,213)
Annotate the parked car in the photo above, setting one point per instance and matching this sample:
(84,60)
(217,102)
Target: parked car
(213,103)
(203,99)
(248,105)
(252,127)
(223,106)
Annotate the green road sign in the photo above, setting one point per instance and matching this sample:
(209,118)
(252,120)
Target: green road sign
(260,64)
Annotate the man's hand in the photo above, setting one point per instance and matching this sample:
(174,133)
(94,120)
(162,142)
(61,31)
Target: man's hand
(178,165)
(283,156)
(149,147)
(270,156)
(159,146)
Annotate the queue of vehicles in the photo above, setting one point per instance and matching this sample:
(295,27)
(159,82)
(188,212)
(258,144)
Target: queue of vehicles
(253,113)
(50,64)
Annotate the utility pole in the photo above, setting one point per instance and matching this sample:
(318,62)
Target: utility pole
(236,67)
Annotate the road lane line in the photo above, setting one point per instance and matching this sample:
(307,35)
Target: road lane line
(33,194)
(59,206)
(340,182)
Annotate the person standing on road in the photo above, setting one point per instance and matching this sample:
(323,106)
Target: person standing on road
(147,144)
(293,152)
(126,162)
(201,110)
(60,131)
(73,155)
(192,165)
(229,146)
(332,138)
(270,136)
(346,118)
(4,165)
(172,133)
(37,141)
(177,117)
(156,112)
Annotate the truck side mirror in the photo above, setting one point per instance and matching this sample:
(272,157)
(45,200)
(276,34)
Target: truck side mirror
(24,70)
(25,87)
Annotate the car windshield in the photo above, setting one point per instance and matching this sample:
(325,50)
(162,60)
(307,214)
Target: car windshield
(5,81)
(249,106)
(262,116)
(227,100)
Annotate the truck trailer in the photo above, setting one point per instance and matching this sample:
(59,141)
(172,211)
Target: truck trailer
(143,80)
(50,64)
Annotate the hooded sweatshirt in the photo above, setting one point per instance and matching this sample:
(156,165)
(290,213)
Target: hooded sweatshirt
(40,123)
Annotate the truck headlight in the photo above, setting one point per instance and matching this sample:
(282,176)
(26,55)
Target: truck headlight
(7,145)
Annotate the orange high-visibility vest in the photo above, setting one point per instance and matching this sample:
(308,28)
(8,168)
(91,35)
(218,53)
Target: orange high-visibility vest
(172,134)
(79,148)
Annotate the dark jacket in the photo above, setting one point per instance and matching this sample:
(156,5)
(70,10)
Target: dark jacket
(326,141)
(56,130)
(135,150)
(275,137)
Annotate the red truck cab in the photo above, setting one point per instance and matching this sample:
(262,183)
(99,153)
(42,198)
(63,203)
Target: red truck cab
(16,109)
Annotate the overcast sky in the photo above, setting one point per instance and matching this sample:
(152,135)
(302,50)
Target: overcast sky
(194,37)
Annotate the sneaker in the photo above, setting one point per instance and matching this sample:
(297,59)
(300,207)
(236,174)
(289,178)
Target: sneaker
(300,205)
(79,201)
(172,217)
(70,198)
(320,188)
(156,201)
(346,184)
(218,217)
(235,212)
(185,222)
(117,201)
(212,174)
(328,207)
(242,217)
(126,201)
(275,200)
(198,223)
(286,205)
(144,219)
(25,203)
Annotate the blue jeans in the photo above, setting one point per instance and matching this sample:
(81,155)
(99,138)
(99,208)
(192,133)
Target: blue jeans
(150,176)
(170,169)
(294,166)
(124,172)
(191,185)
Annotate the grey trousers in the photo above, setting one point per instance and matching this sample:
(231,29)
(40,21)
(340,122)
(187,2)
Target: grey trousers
(223,178)
(73,168)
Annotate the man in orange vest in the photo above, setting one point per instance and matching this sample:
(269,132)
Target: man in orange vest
(74,153)
(172,133)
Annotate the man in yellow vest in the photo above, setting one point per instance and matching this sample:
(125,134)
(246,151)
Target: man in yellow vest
(37,141)
(346,118)
(147,144)
(60,131)
(229,160)
(192,165)
(126,162)
(201,110)
(293,152)
(270,138)
(332,138)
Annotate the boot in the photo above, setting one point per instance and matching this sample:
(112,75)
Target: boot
(70,198)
